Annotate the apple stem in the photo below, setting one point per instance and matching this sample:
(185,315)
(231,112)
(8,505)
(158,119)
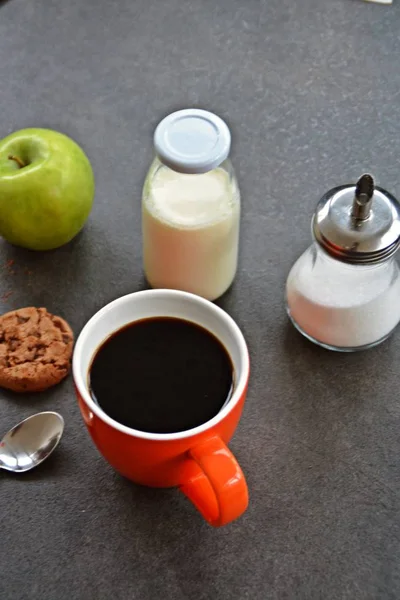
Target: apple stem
(17,160)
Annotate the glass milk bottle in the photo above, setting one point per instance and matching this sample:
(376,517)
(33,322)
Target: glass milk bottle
(343,293)
(191,206)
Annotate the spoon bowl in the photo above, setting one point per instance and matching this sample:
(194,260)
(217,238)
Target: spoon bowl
(30,442)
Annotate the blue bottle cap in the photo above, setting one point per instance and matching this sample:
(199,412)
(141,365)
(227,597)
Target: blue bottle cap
(192,141)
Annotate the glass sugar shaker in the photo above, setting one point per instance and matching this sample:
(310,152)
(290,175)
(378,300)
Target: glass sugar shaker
(343,293)
(191,206)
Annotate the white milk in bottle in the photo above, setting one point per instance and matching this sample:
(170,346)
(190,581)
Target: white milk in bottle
(191,207)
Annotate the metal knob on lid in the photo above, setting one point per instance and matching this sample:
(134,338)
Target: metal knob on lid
(359,223)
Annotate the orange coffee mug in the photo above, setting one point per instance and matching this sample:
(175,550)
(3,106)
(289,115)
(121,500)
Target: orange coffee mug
(198,460)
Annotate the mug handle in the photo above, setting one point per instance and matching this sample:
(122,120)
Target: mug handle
(215,483)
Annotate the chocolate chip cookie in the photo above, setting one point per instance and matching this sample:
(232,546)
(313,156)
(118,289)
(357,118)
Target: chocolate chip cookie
(35,349)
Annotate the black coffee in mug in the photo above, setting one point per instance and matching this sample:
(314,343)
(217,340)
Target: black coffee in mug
(161,375)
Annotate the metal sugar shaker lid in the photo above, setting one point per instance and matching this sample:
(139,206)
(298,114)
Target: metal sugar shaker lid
(358,224)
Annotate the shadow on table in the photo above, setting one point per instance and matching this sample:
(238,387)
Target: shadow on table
(53,468)
(307,353)
(48,469)
(328,397)
(171,530)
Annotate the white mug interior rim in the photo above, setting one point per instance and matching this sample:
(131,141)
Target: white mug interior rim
(80,375)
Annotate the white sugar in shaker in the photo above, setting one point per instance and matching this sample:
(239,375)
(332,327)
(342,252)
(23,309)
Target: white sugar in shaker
(343,293)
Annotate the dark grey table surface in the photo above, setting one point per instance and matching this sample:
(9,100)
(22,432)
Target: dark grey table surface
(311,92)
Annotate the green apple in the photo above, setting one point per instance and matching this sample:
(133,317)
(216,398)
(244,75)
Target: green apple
(46,188)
